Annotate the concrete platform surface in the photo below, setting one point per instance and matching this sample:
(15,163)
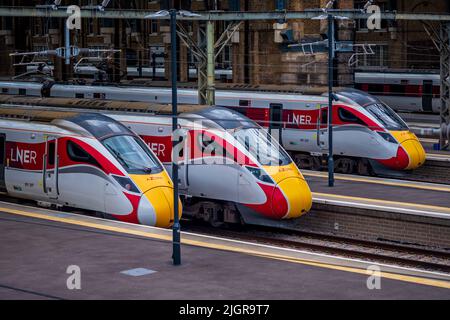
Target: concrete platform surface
(37,246)
(418,196)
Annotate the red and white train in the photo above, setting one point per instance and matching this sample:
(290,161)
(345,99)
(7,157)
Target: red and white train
(86,161)
(230,169)
(368,135)
(410,92)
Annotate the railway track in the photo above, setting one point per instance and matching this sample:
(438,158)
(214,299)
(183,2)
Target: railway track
(388,253)
(433,171)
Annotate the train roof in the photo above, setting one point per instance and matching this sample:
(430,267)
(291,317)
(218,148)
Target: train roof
(95,124)
(360,97)
(95,105)
(226,118)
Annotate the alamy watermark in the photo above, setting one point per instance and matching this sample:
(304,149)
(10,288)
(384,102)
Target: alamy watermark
(374,20)
(373,282)
(73,282)
(74,20)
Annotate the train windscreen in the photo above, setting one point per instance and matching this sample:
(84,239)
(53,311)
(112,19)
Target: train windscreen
(262,146)
(133,154)
(387,116)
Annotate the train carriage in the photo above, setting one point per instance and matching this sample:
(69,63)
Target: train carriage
(230,169)
(86,161)
(369,136)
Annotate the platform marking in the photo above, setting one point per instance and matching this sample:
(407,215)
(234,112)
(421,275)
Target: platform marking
(138,272)
(395,183)
(387,275)
(400,205)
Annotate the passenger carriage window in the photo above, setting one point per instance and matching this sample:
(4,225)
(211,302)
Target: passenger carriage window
(244,103)
(348,116)
(78,154)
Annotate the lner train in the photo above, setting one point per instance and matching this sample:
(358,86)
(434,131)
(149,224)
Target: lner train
(411,92)
(85,161)
(230,169)
(368,135)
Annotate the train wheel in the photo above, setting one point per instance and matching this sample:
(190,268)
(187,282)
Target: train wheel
(307,162)
(364,168)
(345,165)
(213,215)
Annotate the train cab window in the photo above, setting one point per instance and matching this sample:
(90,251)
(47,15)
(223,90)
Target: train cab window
(132,153)
(79,95)
(4,90)
(386,116)
(51,153)
(78,154)
(349,117)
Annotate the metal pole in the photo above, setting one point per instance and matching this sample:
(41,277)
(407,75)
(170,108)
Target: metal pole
(67,44)
(210,94)
(330,100)
(176,255)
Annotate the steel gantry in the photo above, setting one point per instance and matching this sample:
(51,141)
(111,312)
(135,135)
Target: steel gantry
(205,57)
(444,140)
(206,50)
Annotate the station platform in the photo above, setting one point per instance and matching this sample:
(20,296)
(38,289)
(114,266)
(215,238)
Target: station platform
(38,245)
(387,194)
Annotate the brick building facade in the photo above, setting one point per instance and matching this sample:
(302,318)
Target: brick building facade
(257,55)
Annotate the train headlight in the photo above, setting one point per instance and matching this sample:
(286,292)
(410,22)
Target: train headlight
(260,174)
(126,183)
(387,136)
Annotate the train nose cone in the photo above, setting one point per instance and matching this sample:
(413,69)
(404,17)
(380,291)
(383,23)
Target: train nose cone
(297,198)
(160,199)
(416,153)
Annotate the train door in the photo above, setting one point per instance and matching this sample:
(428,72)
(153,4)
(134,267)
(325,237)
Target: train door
(276,121)
(322,128)
(51,160)
(2,161)
(427,96)
(183,163)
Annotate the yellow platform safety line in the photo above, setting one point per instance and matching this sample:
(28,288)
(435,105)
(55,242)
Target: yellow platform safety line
(387,275)
(384,203)
(382,182)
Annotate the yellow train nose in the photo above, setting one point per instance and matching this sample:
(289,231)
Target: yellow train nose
(161,199)
(158,190)
(298,196)
(413,148)
(416,153)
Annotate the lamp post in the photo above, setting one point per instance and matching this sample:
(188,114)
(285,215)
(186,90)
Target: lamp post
(330,19)
(176,229)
